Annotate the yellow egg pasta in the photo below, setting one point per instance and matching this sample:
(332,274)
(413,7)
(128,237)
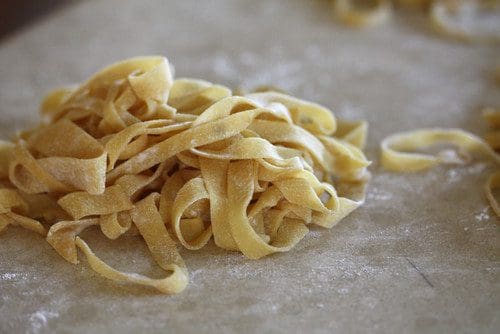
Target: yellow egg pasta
(179,162)
(400,152)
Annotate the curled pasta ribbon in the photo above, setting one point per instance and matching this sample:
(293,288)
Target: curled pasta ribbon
(461,19)
(194,96)
(82,204)
(172,284)
(395,155)
(179,162)
(239,194)
(63,236)
(12,210)
(190,193)
(361,14)
(62,146)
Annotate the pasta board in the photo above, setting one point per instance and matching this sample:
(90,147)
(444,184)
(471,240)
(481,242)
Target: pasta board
(421,255)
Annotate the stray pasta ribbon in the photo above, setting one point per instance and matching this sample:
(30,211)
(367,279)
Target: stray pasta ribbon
(180,162)
(400,152)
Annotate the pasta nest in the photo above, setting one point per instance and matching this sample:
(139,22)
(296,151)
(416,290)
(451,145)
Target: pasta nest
(179,162)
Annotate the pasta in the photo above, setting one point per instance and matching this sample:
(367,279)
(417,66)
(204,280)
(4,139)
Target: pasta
(394,155)
(492,116)
(466,20)
(179,162)
(399,153)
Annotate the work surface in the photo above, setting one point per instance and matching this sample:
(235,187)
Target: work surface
(423,253)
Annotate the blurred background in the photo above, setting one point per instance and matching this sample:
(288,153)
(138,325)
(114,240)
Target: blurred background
(14,14)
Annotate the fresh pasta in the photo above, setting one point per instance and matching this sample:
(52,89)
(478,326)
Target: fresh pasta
(180,162)
(400,152)
(453,18)
(492,117)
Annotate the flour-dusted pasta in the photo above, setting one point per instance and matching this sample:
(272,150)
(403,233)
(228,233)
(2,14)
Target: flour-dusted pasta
(400,152)
(179,162)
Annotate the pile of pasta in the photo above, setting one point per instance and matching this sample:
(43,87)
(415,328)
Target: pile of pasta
(450,18)
(134,152)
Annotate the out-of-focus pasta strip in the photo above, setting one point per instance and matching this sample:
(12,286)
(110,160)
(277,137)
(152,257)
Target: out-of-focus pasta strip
(465,20)
(362,13)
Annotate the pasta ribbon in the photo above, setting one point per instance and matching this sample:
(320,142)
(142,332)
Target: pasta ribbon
(492,116)
(178,162)
(395,155)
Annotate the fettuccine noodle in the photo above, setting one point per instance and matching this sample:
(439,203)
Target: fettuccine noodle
(400,152)
(179,162)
